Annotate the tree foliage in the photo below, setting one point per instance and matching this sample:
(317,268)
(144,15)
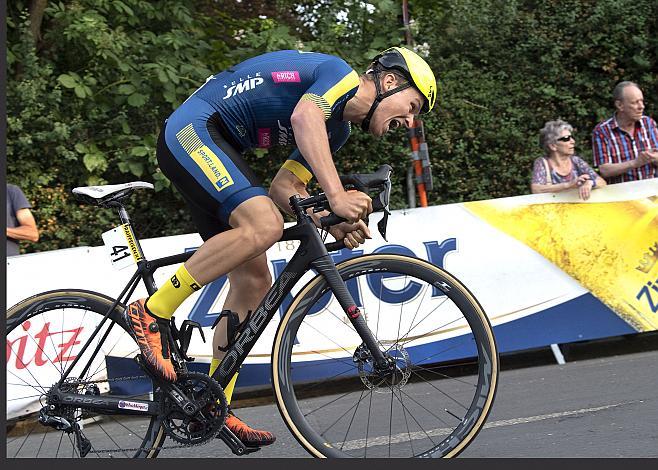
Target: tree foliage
(88,90)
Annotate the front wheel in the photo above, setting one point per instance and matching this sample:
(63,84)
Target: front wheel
(442,387)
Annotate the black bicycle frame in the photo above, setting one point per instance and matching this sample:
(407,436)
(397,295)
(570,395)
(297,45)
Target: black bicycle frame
(312,253)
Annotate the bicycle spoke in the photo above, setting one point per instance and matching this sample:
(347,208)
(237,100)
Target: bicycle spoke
(59,369)
(353,416)
(345,413)
(42,389)
(307,388)
(406,335)
(73,446)
(42,441)
(420,304)
(442,352)
(365,451)
(40,349)
(315,410)
(26,438)
(113,441)
(390,424)
(431,371)
(25,367)
(60,444)
(138,435)
(439,390)
(23,398)
(406,422)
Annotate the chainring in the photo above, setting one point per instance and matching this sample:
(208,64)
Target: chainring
(207,422)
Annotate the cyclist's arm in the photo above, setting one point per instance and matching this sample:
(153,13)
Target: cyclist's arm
(284,185)
(308,123)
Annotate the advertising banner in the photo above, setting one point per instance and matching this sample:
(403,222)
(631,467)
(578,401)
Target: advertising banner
(546,268)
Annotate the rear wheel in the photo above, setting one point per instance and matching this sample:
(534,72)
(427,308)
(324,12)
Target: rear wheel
(45,333)
(439,395)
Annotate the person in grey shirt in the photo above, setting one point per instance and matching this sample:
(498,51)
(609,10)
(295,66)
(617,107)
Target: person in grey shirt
(20,221)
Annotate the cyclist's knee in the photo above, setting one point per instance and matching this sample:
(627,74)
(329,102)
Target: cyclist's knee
(256,280)
(260,221)
(259,238)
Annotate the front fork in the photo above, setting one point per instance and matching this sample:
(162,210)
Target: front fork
(325,266)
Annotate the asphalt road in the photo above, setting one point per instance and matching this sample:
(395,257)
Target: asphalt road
(601,407)
(605,407)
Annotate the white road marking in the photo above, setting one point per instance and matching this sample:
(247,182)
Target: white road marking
(405,437)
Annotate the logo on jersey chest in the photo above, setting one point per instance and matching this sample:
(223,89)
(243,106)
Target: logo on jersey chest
(286,76)
(243,85)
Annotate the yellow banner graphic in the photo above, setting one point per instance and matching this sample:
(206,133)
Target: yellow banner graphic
(610,247)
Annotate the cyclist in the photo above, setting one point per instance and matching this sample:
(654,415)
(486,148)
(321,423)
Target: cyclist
(279,98)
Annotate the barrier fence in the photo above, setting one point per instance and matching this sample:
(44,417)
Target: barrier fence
(547,269)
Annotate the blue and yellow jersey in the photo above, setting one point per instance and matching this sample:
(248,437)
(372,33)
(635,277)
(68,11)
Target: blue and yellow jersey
(256,98)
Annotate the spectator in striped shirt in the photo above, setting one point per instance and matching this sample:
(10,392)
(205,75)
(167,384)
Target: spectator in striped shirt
(626,145)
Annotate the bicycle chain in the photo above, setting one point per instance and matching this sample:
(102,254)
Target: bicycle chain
(135,449)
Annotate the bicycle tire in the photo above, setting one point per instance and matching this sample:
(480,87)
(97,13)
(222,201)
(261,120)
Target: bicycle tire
(310,412)
(84,309)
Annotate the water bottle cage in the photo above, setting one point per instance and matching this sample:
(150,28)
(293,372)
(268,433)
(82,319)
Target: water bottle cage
(184,336)
(234,327)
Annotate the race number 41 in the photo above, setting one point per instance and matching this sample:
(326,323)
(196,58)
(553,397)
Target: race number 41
(121,247)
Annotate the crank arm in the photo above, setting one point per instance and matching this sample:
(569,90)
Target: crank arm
(234,443)
(187,406)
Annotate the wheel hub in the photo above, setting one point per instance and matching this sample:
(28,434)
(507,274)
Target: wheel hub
(395,376)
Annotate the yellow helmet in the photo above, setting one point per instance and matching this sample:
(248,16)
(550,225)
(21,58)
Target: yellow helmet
(412,66)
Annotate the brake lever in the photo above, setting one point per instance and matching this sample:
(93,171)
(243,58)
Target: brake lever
(381,225)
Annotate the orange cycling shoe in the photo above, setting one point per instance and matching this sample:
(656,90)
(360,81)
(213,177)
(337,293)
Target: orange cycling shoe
(146,329)
(250,437)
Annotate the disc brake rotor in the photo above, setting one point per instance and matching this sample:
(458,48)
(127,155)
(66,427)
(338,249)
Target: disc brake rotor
(384,382)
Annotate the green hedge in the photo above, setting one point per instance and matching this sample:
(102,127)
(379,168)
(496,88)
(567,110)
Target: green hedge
(86,102)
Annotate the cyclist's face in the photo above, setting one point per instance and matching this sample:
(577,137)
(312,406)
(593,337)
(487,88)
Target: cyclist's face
(396,110)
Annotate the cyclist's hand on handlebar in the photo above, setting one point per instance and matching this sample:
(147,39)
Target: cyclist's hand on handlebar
(351,205)
(353,234)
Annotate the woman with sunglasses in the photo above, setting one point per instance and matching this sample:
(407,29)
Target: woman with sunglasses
(560,168)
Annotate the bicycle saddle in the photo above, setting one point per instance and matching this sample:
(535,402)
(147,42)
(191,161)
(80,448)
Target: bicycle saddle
(103,195)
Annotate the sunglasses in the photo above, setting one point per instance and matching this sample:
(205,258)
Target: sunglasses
(566,138)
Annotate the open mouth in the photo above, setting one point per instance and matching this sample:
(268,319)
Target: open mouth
(393,124)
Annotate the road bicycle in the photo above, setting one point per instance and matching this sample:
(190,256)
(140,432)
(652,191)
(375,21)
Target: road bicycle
(381,355)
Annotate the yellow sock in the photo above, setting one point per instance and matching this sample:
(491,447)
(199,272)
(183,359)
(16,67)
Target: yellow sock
(169,297)
(228,391)
(214,364)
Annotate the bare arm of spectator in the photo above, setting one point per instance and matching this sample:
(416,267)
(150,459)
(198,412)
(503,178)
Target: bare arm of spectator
(608,170)
(540,180)
(27,230)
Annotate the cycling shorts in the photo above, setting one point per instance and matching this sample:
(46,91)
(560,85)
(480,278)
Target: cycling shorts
(195,153)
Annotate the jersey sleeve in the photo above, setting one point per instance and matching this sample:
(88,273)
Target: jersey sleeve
(335,83)
(338,133)
(298,166)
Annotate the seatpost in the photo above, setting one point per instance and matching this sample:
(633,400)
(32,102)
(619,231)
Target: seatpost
(123,215)
(125,220)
